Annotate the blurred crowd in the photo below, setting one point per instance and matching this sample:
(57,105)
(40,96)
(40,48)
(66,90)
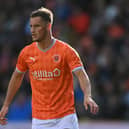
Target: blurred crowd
(97,29)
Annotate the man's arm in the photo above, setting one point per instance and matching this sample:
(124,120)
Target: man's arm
(14,85)
(86,88)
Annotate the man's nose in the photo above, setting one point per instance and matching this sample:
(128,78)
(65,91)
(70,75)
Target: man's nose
(32,30)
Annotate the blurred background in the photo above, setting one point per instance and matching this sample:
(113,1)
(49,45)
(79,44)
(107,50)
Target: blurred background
(97,29)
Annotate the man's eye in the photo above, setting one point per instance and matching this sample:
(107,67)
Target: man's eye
(37,25)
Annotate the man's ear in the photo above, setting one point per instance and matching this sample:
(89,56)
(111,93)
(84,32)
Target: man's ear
(49,26)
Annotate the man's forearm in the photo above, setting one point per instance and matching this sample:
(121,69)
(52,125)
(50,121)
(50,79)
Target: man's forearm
(84,82)
(14,85)
(86,88)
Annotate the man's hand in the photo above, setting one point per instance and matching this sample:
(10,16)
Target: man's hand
(88,101)
(14,85)
(3,112)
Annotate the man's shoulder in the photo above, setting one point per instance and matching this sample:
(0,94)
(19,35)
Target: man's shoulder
(63,44)
(29,47)
(66,45)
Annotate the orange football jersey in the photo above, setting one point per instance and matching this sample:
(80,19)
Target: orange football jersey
(50,73)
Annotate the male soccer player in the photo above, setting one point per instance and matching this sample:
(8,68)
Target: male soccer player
(50,63)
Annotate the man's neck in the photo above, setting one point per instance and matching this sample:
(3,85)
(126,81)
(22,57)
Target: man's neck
(46,43)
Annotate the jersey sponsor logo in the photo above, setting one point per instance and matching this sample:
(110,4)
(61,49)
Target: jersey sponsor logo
(46,75)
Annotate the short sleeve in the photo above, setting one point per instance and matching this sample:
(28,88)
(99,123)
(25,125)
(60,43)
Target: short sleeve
(73,59)
(21,65)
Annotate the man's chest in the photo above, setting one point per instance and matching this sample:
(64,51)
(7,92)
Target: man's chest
(48,61)
(45,66)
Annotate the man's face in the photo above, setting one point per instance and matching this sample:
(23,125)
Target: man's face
(38,29)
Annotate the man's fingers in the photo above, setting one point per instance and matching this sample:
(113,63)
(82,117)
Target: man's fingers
(3,112)
(93,107)
(3,118)
(96,108)
(86,106)
(3,121)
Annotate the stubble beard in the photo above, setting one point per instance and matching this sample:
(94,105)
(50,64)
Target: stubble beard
(42,38)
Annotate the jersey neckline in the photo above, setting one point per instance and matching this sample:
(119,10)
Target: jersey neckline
(45,50)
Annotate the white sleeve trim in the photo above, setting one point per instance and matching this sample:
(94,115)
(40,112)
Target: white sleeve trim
(19,70)
(77,68)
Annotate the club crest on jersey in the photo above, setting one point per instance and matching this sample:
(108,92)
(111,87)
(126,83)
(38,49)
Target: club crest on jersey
(56,58)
